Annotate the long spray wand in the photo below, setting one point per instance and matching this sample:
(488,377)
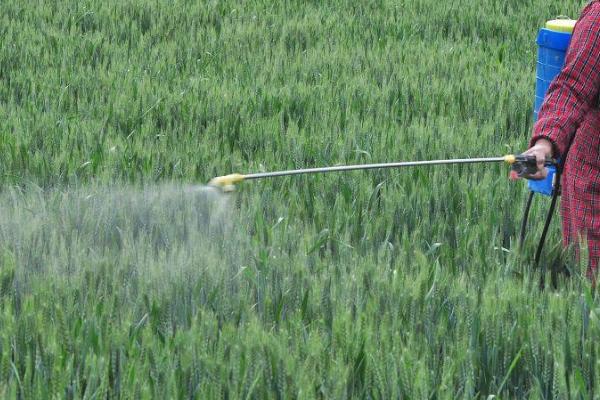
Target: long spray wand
(520,165)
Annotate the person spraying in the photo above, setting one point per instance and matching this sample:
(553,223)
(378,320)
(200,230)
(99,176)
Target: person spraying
(568,128)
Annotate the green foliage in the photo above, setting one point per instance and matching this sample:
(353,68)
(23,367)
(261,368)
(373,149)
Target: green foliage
(386,284)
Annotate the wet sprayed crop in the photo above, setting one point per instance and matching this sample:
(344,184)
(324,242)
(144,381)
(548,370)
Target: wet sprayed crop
(121,279)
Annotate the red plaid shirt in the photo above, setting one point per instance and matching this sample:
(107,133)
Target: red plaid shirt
(570,120)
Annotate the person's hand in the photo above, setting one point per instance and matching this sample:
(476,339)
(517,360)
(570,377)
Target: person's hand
(541,150)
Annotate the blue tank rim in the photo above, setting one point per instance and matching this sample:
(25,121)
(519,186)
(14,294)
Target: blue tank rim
(553,39)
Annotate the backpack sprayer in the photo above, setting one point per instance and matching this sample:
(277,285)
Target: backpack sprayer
(553,42)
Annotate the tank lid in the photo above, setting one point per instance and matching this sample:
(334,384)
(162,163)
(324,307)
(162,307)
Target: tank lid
(561,25)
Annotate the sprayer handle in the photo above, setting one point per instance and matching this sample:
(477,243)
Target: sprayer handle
(527,165)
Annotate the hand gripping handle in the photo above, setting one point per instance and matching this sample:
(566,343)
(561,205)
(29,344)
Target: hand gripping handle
(527,165)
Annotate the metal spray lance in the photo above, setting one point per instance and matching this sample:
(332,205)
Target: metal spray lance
(520,165)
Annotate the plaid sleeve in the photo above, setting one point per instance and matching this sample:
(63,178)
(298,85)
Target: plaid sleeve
(575,90)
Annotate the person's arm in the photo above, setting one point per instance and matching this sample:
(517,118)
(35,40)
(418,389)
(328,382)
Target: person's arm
(574,91)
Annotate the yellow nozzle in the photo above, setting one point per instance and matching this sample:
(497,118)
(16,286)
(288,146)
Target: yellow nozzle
(510,159)
(226,180)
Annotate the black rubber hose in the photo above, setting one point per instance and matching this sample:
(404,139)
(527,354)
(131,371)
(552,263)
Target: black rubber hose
(525,218)
(555,195)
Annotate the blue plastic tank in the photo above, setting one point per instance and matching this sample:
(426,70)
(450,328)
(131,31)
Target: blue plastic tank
(552,48)
(553,42)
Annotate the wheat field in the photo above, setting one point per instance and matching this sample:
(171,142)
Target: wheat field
(122,276)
